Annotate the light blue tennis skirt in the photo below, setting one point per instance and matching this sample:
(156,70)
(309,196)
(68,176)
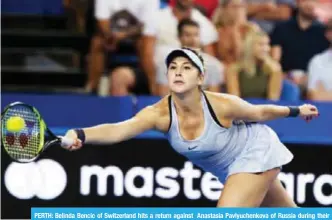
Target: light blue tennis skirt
(262,154)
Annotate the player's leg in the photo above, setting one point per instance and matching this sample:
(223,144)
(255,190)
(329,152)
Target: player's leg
(247,189)
(277,196)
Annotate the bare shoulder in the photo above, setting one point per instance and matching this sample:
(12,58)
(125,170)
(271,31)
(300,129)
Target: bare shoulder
(222,104)
(160,112)
(226,103)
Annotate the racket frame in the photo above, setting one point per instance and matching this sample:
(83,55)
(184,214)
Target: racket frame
(54,140)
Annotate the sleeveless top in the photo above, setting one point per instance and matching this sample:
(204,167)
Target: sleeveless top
(217,147)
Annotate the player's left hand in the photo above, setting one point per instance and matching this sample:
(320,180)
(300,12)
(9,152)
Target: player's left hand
(308,112)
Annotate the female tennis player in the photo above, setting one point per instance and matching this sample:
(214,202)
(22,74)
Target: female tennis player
(209,129)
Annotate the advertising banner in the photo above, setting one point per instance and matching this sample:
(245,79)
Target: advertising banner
(143,173)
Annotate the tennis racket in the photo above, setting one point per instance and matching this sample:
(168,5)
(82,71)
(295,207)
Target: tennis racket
(34,138)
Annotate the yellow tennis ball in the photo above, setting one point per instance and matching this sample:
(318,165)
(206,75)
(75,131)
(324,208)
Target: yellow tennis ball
(15,124)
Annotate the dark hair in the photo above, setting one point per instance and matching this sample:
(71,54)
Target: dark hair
(186,22)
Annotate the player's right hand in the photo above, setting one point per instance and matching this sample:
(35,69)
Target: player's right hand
(71,134)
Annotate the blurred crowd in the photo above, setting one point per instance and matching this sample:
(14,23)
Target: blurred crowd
(272,49)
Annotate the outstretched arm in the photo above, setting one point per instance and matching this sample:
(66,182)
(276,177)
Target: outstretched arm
(116,132)
(240,109)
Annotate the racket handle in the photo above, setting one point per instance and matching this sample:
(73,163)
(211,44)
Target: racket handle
(67,142)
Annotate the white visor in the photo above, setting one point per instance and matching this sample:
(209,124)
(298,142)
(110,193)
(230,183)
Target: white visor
(188,54)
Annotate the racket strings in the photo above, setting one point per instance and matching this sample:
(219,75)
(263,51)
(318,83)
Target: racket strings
(25,143)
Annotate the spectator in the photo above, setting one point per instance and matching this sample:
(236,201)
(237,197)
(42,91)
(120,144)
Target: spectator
(189,36)
(232,26)
(169,18)
(266,13)
(297,40)
(111,35)
(324,10)
(256,75)
(320,72)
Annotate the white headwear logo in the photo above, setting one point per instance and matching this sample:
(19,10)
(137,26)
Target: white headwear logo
(46,179)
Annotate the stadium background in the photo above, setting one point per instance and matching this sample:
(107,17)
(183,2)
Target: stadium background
(144,171)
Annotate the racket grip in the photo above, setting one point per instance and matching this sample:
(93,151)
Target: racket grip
(67,142)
